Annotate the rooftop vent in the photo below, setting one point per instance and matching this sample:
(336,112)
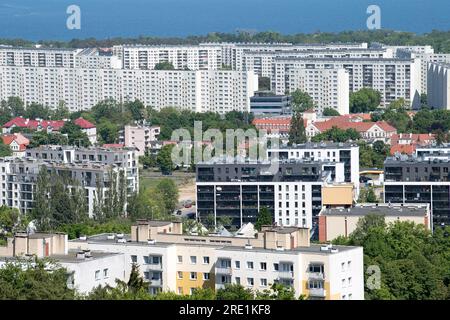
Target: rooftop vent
(334,250)
(110,237)
(279,248)
(87,253)
(324,248)
(151,241)
(248,246)
(82,238)
(81,255)
(120,235)
(121,240)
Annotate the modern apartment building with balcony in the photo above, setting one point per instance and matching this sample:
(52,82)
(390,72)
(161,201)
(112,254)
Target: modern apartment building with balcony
(290,189)
(423,179)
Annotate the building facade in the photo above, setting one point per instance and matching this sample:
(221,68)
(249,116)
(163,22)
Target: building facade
(393,78)
(438,86)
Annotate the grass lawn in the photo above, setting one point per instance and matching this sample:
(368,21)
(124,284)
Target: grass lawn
(149,179)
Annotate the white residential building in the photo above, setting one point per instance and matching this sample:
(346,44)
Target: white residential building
(438,93)
(393,78)
(80,89)
(329,88)
(182,57)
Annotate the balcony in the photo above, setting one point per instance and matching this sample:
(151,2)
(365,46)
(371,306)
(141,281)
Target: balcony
(151,266)
(155,283)
(223,270)
(316,275)
(285,274)
(315,292)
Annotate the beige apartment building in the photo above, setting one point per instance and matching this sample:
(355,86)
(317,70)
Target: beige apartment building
(342,221)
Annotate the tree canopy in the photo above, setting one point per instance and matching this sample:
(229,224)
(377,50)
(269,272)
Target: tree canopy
(364,100)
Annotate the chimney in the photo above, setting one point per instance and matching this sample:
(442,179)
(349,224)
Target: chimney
(81,255)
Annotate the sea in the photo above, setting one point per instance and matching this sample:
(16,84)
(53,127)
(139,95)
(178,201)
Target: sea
(47,19)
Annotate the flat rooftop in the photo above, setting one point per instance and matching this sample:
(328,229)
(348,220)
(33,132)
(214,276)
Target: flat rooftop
(313,248)
(311,145)
(414,210)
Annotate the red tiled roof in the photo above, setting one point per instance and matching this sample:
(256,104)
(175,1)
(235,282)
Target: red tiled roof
(358,126)
(403,148)
(8,138)
(84,124)
(34,124)
(422,138)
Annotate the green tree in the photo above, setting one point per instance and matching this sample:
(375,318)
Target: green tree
(364,100)
(164,159)
(75,135)
(234,292)
(297,132)
(336,134)
(264,83)
(16,106)
(169,192)
(108,131)
(263,218)
(330,112)
(61,112)
(5,151)
(277,291)
(40,138)
(27,279)
(137,110)
(165,65)
(37,111)
(301,101)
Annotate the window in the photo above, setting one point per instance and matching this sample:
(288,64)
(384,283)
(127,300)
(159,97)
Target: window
(349,264)
(206,276)
(263,266)
(146,260)
(275,266)
(237,264)
(193,260)
(180,259)
(205,260)
(250,281)
(343,297)
(238,280)
(343,283)
(263,282)
(349,281)
(250,265)
(350,296)
(97,275)
(180,290)
(105,273)
(147,275)
(180,275)
(342,266)
(133,259)
(193,276)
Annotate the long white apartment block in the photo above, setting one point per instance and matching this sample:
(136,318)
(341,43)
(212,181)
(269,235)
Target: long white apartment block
(82,88)
(393,78)
(233,53)
(329,88)
(438,93)
(58,58)
(182,57)
(261,61)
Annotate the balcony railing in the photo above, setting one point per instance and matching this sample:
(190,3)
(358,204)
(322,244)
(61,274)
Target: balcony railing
(285,274)
(151,266)
(316,275)
(223,270)
(317,292)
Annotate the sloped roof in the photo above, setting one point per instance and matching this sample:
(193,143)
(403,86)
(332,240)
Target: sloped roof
(84,124)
